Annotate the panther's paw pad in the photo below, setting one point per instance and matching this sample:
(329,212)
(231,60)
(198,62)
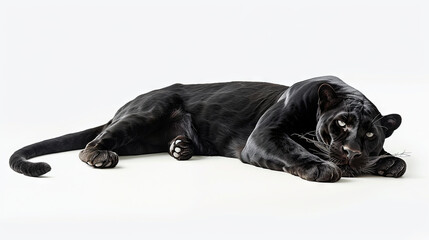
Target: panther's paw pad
(181,148)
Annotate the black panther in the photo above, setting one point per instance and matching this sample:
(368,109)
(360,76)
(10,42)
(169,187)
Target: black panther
(319,129)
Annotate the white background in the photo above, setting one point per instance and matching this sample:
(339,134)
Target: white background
(67,66)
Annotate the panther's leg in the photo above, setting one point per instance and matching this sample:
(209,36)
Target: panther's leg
(135,124)
(101,152)
(185,141)
(284,154)
(270,147)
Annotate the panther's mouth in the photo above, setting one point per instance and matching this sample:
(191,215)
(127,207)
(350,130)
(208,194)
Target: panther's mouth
(350,167)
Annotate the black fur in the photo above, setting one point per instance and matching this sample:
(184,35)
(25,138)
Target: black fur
(267,125)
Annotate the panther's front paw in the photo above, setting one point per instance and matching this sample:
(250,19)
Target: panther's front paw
(181,148)
(319,172)
(99,158)
(390,167)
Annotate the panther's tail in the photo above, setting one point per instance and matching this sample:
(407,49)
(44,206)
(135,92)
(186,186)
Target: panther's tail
(74,141)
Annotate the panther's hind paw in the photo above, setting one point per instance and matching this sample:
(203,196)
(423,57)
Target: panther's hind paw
(181,148)
(99,158)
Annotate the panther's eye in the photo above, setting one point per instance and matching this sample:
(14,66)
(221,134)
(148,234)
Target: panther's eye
(370,134)
(341,123)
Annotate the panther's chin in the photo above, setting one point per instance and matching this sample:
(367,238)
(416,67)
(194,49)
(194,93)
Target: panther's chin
(348,171)
(348,168)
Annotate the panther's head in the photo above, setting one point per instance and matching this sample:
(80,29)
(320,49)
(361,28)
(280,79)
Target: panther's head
(352,130)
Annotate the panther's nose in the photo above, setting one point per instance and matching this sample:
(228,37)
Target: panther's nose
(351,153)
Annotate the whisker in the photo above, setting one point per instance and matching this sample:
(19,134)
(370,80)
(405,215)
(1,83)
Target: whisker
(402,154)
(372,161)
(317,143)
(379,116)
(322,148)
(378,125)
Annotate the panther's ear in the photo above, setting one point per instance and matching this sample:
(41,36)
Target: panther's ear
(327,97)
(390,123)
